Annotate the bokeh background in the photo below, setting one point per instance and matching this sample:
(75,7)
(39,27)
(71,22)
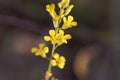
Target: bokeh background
(92,54)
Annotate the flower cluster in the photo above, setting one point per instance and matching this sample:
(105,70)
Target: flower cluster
(57,37)
(41,51)
(65,9)
(58,61)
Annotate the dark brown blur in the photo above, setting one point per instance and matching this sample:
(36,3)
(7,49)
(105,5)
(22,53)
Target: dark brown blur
(92,54)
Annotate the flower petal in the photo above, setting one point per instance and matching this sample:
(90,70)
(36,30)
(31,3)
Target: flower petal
(50,8)
(70,18)
(61,32)
(37,54)
(61,65)
(56,56)
(48,74)
(64,19)
(67,36)
(66,3)
(43,55)
(74,23)
(41,45)
(60,5)
(53,63)
(52,33)
(34,49)
(47,38)
(64,41)
(62,59)
(46,49)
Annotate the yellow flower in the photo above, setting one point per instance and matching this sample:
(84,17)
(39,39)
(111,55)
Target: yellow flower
(68,23)
(41,51)
(58,61)
(63,4)
(65,8)
(55,17)
(62,38)
(51,10)
(48,74)
(52,37)
(57,38)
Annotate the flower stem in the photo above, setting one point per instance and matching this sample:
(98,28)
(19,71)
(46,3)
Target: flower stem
(49,66)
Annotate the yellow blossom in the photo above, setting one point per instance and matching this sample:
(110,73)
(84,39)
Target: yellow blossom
(62,38)
(65,8)
(68,23)
(51,10)
(58,61)
(55,17)
(53,63)
(48,74)
(57,38)
(41,51)
(52,37)
(63,4)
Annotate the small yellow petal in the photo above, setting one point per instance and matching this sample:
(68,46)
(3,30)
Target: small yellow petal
(56,56)
(46,49)
(48,8)
(64,27)
(48,74)
(67,36)
(37,53)
(53,63)
(52,6)
(61,32)
(63,4)
(41,45)
(64,41)
(61,65)
(51,9)
(34,49)
(64,19)
(43,55)
(60,5)
(66,3)
(74,23)
(47,38)
(52,33)
(61,62)
(62,58)
(70,18)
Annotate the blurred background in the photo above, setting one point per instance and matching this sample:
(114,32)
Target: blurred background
(92,54)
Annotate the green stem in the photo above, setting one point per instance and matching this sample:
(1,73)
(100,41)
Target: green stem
(50,67)
(53,50)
